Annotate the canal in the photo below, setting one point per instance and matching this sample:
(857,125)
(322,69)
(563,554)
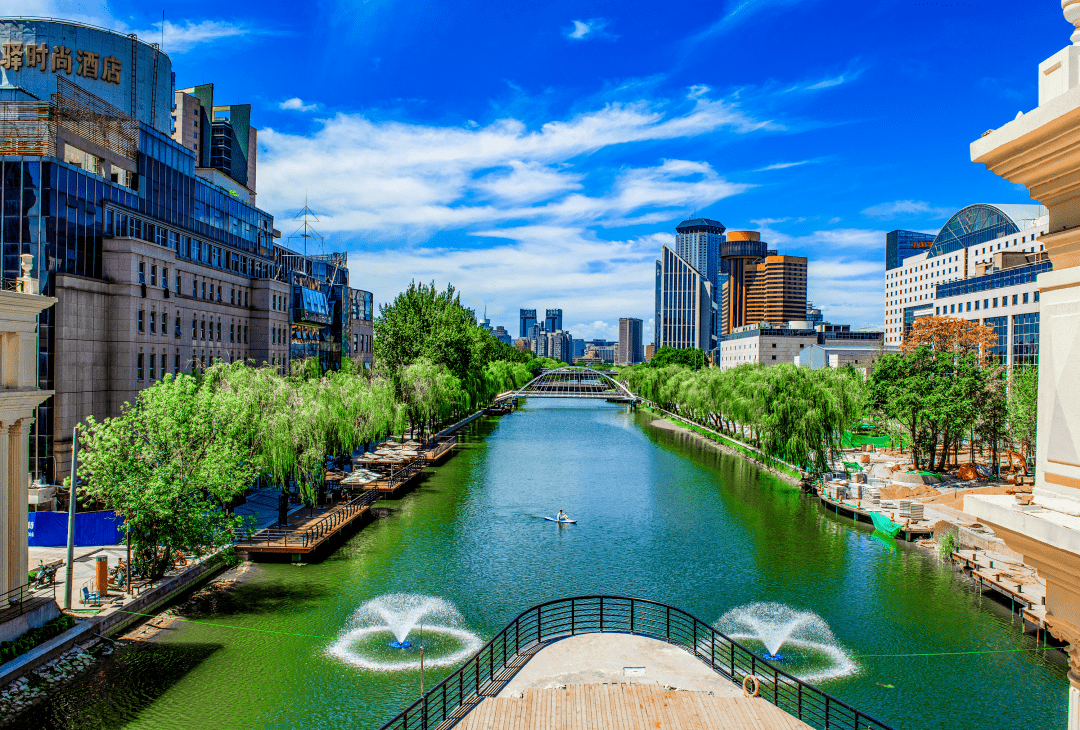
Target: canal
(661,515)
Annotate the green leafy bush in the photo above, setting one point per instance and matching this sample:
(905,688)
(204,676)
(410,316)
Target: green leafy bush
(17,647)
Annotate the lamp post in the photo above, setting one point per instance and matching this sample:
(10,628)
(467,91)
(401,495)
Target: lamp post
(69,570)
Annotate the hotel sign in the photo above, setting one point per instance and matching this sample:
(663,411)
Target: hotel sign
(87,64)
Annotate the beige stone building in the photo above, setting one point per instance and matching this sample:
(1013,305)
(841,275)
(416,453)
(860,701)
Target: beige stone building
(1041,151)
(19,396)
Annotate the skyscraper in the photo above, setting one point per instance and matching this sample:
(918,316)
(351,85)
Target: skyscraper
(741,249)
(528,319)
(698,242)
(629,351)
(687,311)
(553,320)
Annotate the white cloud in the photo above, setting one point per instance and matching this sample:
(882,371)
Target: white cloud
(297,104)
(915,208)
(783,165)
(594,282)
(394,178)
(588,29)
(179,38)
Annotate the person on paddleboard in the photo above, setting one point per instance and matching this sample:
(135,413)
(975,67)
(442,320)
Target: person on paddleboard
(562,517)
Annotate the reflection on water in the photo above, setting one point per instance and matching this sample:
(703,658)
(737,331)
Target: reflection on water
(661,515)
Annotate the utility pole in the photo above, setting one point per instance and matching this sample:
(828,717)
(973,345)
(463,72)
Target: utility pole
(69,570)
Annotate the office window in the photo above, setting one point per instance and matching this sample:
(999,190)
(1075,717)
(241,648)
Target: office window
(232,295)
(245,298)
(1014,299)
(976,305)
(178,285)
(140,320)
(245,334)
(142,272)
(164,356)
(219,293)
(1036,296)
(139,366)
(204,289)
(1025,297)
(194,328)
(153,322)
(1025,342)
(231,332)
(952,309)
(177,326)
(153,274)
(995,302)
(202,329)
(986,304)
(969,306)
(153,365)
(219,330)
(176,363)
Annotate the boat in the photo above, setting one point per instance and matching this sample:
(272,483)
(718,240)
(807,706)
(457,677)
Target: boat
(884,524)
(561,522)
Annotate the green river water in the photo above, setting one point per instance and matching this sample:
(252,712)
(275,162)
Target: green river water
(662,515)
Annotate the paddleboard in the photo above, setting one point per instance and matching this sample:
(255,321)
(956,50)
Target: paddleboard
(561,522)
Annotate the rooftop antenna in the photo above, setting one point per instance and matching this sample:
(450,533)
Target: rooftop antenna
(308,232)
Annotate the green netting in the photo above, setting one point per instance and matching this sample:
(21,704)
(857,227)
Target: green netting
(852,466)
(850,440)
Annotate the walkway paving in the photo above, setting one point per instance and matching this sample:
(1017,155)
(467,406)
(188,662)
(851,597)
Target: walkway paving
(615,658)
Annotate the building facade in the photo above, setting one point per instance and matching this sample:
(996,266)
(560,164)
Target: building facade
(901,244)
(686,308)
(553,320)
(776,289)
(528,319)
(785,342)
(982,267)
(698,242)
(20,395)
(156,265)
(741,251)
(630,351)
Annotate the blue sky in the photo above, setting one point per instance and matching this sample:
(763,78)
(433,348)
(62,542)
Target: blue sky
(539,154)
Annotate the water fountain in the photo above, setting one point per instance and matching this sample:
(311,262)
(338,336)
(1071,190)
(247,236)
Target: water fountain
(811,652)
(376,636)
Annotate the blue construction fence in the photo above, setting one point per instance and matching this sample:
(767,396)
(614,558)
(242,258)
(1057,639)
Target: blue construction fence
(49,529)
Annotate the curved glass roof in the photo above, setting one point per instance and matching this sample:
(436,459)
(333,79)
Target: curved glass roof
(982,222)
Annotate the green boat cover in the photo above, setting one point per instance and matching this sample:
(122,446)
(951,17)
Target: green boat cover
(884,524)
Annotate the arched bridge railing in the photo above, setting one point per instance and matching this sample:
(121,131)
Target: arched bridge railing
(487,671)
(575,382)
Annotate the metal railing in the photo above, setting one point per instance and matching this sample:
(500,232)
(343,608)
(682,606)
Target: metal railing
(306,537)
(487,671)
(16,598)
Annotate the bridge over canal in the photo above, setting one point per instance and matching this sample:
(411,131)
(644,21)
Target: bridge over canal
(574,382)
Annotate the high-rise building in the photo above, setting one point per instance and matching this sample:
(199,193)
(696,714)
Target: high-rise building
(650,350)
(698,242)
(629,350)
(687,308)
(983,267)
(553,320)
(502,335)
(901,244)
(776,289)
(740,250)
(222,138)
(158,260)
(528,319)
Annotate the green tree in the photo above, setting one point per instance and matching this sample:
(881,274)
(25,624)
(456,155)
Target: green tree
(170,463)
(1023,407)
(689,357)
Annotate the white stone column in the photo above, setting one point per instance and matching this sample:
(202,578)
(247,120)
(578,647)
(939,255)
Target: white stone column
(18,498)
(6,533)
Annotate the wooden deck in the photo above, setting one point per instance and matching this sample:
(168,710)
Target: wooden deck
(307,531)
(625,707)
(1013,581)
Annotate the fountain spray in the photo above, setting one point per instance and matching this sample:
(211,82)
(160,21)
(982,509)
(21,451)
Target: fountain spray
(421,658)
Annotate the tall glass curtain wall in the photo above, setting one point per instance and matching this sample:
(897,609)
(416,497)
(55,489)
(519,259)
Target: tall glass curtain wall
(60,213)
(999,352)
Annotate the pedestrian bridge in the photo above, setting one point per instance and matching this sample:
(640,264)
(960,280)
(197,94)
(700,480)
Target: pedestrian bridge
(574,382)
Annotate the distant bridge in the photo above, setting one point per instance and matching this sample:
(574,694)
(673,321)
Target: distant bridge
(574,382)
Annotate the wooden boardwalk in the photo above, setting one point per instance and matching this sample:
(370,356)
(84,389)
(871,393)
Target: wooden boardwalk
(625,707)
(1014,581)
(916,530)
(308,530)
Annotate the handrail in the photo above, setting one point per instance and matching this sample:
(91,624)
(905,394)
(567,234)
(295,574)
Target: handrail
(487,671)
(311,533)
